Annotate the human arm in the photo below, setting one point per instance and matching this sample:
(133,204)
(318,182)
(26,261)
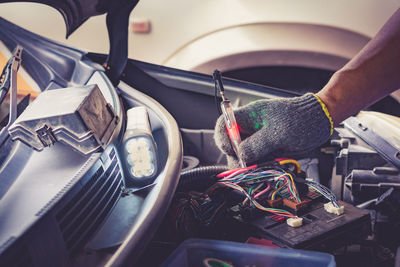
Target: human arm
(284,127)
(371,75)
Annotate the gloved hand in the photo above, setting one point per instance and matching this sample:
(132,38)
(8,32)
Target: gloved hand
(276,127)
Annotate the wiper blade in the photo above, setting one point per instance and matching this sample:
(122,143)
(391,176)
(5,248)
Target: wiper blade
(9,81)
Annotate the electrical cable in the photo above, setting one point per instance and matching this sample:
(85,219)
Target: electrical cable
(262,192)
(280,212)
(324,191)
(200,176)
(295,163)
(232,172)
(256,185)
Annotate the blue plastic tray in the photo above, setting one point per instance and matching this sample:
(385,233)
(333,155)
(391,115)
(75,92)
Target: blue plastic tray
(204,253)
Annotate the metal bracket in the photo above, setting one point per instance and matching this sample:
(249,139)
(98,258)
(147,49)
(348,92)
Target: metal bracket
(46,136)
(111,126)
(385,149)
(15,62)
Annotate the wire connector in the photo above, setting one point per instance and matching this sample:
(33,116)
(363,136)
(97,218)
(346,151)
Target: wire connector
(295,222)
(329,207)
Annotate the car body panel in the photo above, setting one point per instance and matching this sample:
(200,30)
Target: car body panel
(174,98)
(202,18)
(74,12)
(52,66)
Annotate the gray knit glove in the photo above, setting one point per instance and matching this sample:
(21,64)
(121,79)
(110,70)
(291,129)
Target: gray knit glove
(275,128)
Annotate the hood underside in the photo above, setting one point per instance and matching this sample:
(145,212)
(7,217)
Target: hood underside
(76,12)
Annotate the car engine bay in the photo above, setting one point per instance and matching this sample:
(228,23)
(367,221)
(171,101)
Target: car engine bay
(88,199)
(213,203)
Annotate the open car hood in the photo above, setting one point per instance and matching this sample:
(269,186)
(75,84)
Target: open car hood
(76,12)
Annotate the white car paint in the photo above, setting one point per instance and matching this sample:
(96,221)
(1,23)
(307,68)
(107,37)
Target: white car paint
(180,29)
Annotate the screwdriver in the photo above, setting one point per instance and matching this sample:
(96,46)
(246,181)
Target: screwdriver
(229,117)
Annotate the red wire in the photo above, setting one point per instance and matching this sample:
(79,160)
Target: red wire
(229,172)
(281,159)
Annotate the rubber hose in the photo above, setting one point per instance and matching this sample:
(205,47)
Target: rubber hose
(189,162)
(200,176)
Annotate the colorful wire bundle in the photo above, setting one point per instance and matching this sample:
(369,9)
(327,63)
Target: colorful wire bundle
(291,186)
(262,183)
(326,192)
(259,185)
(283,161)
(280,212)
(193,210)
(284,181)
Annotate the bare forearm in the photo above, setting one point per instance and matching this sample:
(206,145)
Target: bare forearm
(371,75)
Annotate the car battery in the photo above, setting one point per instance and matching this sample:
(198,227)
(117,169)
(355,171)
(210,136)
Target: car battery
(79,117)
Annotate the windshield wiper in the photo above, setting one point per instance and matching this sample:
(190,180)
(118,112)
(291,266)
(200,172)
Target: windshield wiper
(9,83)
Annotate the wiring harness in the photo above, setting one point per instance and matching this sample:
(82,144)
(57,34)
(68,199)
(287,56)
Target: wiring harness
(257,188)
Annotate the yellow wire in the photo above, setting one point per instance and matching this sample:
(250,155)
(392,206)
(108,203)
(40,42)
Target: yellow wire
(295,162)
(294,186)
(273,195)
(292,182)
(279,189)
(215,213)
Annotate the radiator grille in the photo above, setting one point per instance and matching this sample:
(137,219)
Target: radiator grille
(82,216)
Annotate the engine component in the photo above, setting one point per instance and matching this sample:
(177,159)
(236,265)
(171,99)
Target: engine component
(200,177)
(295,222)
(387,150)
(320,230)
(368,184)
(295,206)
(239,196)
(79,117)
(351,153)
(329,207)
(56,221)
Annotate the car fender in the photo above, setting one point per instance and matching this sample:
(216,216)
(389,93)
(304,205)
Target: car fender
(269,44)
